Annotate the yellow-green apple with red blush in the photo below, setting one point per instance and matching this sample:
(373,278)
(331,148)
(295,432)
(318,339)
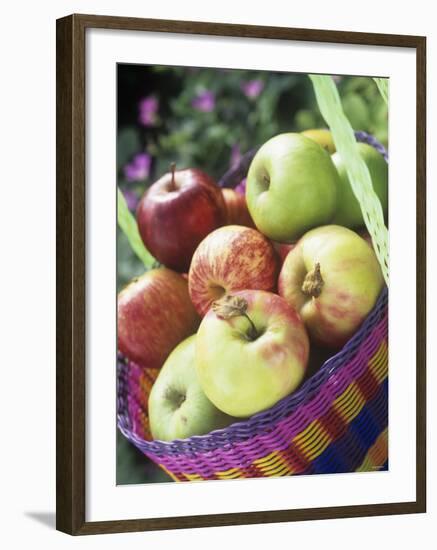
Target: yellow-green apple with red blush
(177,212)
(291,187)
(366,236)
(229,259)
(333,279)
(154,314)
(178,407)
(236,208)
(251,351)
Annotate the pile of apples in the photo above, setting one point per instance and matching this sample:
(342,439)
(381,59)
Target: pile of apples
(249,284)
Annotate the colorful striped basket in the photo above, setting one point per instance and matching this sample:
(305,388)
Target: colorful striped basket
(336,422)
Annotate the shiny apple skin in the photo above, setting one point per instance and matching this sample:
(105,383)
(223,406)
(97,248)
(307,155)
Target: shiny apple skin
(229,259)
(172,222)
(236,209)
(242,376)
(154,314)
(178,407)
(291,187)
(352,282)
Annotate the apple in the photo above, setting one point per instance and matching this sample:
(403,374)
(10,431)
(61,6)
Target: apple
(291,187)
(283,249)
(154,314)
(323,137)
(251,351)
(365,235)
(231,258)
(176,213)
(348,212)
(178,407)
(333,279)
(236,208)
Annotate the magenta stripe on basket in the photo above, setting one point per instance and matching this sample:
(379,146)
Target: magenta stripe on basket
(243,453)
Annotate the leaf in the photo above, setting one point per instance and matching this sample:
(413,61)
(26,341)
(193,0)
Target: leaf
(230,306)
(329,103)
(129,227)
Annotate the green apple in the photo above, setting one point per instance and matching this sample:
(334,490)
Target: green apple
(333,279)
(178,407)
(291,187)
(323,137)
(251,351)
(348,212)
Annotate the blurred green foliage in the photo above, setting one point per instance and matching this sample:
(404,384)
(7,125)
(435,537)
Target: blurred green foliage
(240,110)
(205,118)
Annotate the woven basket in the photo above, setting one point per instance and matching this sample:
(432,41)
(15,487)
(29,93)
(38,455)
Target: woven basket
(336,422)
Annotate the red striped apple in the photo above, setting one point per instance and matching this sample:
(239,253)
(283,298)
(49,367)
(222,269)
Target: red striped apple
(333,279)
(154,314)
(229,259)
(176,213)
(251,351)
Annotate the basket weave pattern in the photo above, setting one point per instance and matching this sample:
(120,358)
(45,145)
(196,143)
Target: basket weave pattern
(336,422)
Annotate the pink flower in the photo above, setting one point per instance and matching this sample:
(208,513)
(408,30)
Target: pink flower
(148,108)
(139,168)
(252,88)
(204,102)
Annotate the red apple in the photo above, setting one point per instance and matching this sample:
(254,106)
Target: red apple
(154,314)
(333,279)
(236,208)
(176,213)
(229,259)
(283,249)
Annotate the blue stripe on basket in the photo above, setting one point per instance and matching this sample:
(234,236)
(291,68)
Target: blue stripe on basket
(348,452)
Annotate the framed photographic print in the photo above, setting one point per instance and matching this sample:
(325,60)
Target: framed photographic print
(240,274)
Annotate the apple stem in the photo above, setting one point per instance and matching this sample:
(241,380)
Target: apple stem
(253,332)
(234,306)
(313,282)
(172,169)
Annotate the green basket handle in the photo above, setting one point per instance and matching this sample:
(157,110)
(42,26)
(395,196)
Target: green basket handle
(345,141)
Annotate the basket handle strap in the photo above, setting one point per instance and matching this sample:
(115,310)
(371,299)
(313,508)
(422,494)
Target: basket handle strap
(329,103)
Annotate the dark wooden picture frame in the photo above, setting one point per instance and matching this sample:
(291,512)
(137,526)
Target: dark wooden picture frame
(71,284)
